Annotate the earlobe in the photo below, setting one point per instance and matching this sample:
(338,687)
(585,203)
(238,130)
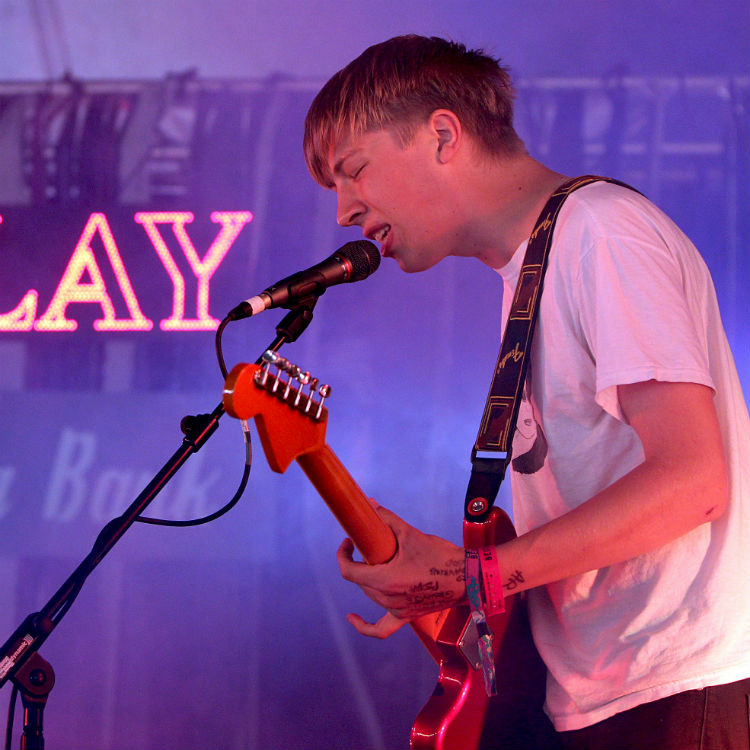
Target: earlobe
(448,133)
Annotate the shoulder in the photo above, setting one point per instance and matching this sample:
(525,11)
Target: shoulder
(606,231)
(604,209)
(608,218)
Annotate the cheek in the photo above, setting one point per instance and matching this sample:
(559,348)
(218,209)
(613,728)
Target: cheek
(417,204)
(408,185)
(402,194)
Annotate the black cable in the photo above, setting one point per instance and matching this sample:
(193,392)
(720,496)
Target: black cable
(225,508)
(248,456)
(205,519)
(217,343)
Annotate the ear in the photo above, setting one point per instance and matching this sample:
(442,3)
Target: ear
(448,133)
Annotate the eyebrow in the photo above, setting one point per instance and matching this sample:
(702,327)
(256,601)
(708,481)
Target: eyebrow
(337,167)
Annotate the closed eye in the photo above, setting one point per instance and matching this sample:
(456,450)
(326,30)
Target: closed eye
(357,172)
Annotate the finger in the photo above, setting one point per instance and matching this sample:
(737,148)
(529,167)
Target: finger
(345,552)
(386,626)
(356,571)
(351,570)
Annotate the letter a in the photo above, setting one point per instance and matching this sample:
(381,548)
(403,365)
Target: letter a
(72,289)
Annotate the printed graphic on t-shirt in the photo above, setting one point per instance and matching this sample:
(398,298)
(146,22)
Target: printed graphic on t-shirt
(529,442)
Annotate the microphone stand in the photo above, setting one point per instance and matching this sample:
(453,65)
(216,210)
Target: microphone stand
(20,661)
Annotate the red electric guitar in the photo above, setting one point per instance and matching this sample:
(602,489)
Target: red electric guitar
(291,423)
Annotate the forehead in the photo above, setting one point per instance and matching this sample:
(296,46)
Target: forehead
(355,144)
(345,145)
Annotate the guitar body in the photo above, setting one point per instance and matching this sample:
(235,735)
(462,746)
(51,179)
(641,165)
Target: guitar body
(458,715)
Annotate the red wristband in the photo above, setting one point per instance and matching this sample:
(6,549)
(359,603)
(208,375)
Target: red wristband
(491,581)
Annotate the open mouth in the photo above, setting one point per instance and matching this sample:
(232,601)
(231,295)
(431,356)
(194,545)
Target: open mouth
(381,234)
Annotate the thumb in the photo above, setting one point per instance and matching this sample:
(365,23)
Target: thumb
(391,518)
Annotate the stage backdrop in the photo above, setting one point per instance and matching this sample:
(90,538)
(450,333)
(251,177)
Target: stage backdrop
(134,216)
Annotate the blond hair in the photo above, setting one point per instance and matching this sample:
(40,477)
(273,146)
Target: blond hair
(398,83)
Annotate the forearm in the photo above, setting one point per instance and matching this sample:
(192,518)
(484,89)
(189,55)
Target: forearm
(649,507)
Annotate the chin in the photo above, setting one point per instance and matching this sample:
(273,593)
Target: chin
(418,265)
(412,263)
(408,267)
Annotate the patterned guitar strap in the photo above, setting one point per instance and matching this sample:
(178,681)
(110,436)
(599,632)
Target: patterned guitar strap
(491,453)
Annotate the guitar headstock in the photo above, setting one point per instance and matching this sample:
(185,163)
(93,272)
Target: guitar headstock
(286,403)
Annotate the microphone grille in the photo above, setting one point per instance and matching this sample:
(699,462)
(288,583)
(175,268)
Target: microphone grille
(364,257)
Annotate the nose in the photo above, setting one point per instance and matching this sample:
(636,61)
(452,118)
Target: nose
(350,209)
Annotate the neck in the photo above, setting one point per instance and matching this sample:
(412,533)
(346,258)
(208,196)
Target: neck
(507,197)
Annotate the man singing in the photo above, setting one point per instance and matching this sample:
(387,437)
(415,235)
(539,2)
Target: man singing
(631,476)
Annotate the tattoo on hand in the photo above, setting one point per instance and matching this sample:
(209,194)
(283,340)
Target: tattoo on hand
(424,586)
(431,596)
(455,568)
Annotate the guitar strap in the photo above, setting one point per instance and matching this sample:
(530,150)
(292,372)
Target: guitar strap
(501,409)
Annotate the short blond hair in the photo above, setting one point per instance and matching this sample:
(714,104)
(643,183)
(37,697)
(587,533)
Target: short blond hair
(398,83)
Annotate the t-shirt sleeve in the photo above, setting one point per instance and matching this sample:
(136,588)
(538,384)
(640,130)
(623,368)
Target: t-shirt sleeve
(636,312)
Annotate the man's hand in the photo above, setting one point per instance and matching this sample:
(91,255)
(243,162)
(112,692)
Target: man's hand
(425,575)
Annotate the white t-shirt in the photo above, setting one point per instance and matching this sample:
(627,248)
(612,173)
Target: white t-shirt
(627,299)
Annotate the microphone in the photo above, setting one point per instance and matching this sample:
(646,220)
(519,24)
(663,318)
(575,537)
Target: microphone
(352,262)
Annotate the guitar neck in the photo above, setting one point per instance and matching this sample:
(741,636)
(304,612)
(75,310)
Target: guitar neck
(371,535)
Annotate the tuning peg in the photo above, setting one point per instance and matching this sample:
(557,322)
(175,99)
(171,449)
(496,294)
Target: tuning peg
(303,378)
(293,372)
(281,364)
(325,392)
(313,386)
(270,357)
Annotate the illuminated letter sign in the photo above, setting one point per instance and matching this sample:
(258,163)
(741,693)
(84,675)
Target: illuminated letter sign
(231,225)
(82,280)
